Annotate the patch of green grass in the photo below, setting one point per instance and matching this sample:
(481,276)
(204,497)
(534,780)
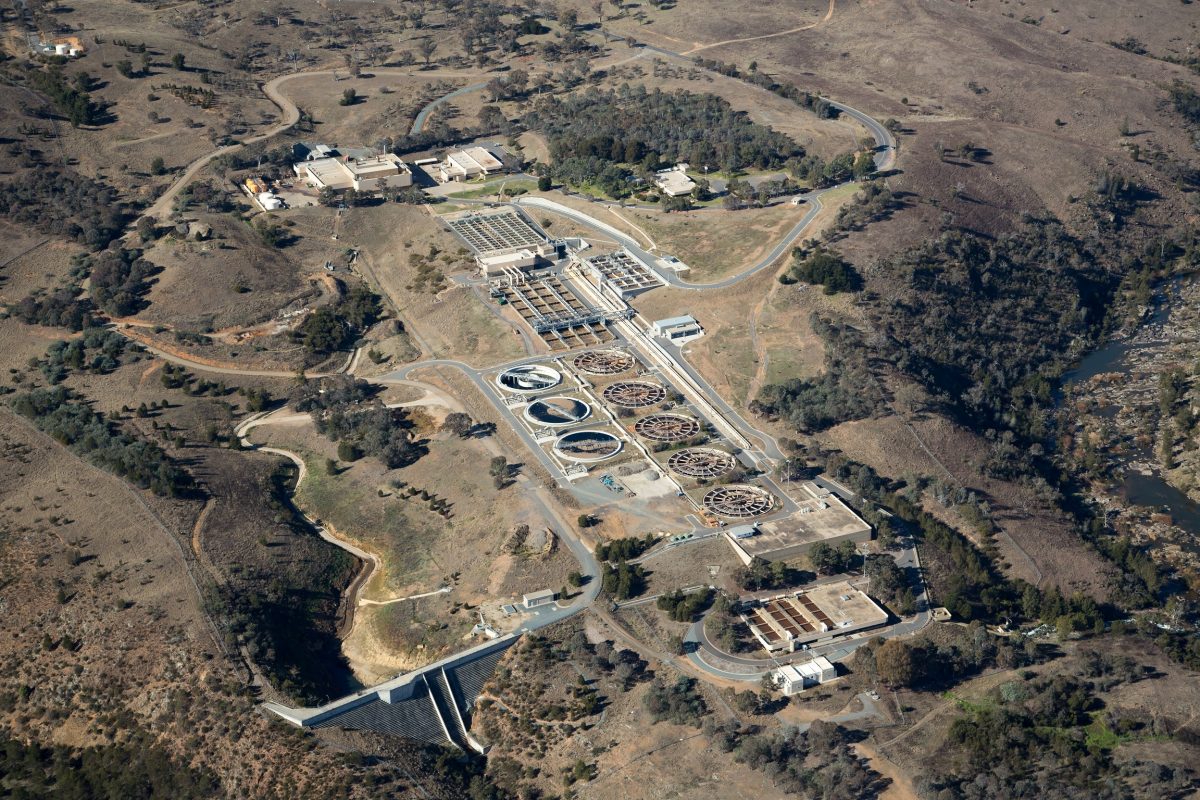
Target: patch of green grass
(1100,736)
(492,188)
(402,533)
(732,351)
(972,706)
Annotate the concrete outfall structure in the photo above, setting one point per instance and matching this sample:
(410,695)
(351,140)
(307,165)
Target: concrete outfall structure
(432,704)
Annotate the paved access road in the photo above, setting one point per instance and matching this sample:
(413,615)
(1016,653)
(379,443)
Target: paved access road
(423,115)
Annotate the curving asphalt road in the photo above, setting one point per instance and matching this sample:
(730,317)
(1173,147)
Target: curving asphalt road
(423,115)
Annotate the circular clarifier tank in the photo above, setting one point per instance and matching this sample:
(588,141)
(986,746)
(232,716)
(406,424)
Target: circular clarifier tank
(557,411)
(529,378)
(589,445)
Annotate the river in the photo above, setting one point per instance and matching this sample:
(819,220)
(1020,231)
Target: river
(1138,358)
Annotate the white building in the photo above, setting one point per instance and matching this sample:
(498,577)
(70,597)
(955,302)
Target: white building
(374,174)
(542,598)
(371,174)
(795,678)
(502,262)
(677,329)
(324,173)
(674,182)
(471,162)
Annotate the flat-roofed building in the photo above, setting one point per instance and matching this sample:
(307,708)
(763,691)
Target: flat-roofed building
(497,264)
(674,182)
(677,329)
(325,173)
(790,622)
(541,598)
(521,259)
(377,173)
(468,163)
(366,173)
(795,678)
(822,517)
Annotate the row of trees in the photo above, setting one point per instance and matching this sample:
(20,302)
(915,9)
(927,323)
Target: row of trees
(818,105)
(65,417)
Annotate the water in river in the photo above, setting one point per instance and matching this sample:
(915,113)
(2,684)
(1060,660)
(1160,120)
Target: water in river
(1129,356)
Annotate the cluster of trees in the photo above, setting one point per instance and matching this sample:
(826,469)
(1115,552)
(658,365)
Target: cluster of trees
(889,584)
(61,202)
(97,350)
(819,762)
(69,97)
(137,769)
(624,549)
(986,325)
(72,422)
(1049,733)
(272,233)
(763,574)
(819,173)
(963,579)
(741,194)
(287,618)
(683,607)
(941,658)
(206,195)
(624,580)
(838,394)
(344,409)
(875,202)
(818,105)
(829,560)
(721,624)
(679,702)
(65,307)
(119,280)
(338,325)
(1186,101)
(593,130)
(817,265)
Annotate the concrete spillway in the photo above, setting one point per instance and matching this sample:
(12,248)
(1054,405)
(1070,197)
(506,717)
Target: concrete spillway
(431,704)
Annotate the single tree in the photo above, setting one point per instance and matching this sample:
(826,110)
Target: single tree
(457,423)
(427,48)
(894,663)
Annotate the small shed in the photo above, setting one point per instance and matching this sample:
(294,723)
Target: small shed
(541,598)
